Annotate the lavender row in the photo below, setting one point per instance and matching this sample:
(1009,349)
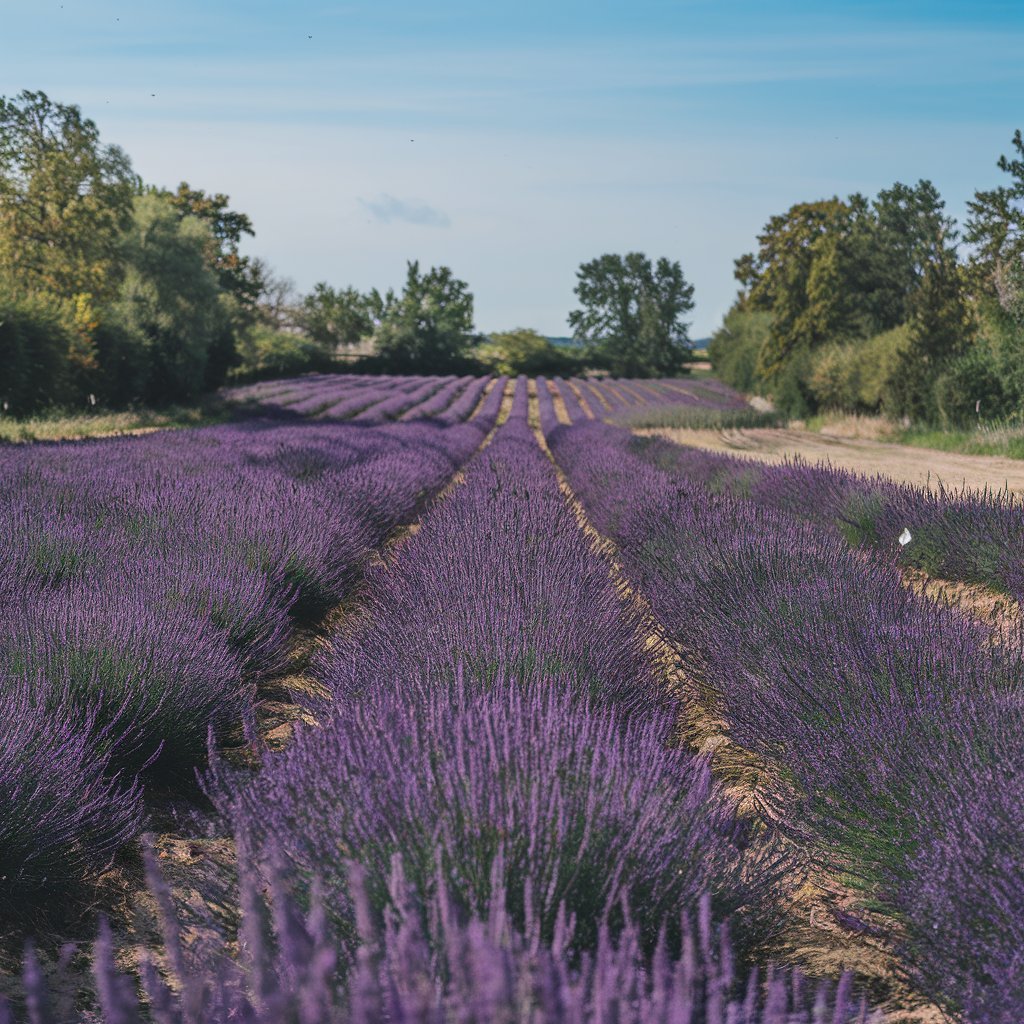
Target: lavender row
(511,749)
(890,727)
(482,970)
(545,407)
(439,401)
(148,585)
(464,406)
(955,535)
(393,407)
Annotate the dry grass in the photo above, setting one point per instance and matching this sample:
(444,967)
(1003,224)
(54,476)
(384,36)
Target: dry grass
(922,467)
(77,427)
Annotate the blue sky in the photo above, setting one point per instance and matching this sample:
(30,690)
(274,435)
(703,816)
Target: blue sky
(515,141)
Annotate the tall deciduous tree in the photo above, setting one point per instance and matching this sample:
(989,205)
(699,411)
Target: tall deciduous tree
(995,227)
(840,270)
(940,331)
(429,327)
(169,311)
(631,319)
(336,318)
(64,199)
(237,275)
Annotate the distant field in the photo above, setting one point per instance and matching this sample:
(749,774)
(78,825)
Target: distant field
(495,699)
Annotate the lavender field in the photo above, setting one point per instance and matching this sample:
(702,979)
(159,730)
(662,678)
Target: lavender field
(465,703)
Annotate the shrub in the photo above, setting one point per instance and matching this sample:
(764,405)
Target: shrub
(64,812)
(266,353)
(734,348)
(35,341)
(972,379)
(526,352)
(579,807)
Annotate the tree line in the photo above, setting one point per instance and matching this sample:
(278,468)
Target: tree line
(116,292)
(885,305)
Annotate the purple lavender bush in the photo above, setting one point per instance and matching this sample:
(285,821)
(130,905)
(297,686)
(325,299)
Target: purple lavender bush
(582,807)
(889,723)
(65,812)
(149,585)
(478,969)
(957,535)
(520,721)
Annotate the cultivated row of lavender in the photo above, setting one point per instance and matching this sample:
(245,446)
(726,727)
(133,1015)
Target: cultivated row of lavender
(296,969)
(704,403)
(495,762)
(508,824)
(890,727)
(367,400)
(148,585)
(956,535)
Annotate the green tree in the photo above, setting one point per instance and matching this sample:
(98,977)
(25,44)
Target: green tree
(429,327)
(801,259)
(156,338)
(995,229)
(336,319)
(940,331)
(907,220)
(64,199)
(35,339)
(734,348)
(239,277)
(631,320)
(838,272)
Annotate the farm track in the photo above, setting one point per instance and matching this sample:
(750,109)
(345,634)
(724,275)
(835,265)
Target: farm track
(200,869)
(815,940)
(923,467)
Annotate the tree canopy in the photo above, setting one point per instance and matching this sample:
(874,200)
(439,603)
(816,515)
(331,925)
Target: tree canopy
(429,327)
(64,199)
(631,315)
(336,318)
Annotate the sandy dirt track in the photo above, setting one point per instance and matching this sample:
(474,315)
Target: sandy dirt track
(922,466)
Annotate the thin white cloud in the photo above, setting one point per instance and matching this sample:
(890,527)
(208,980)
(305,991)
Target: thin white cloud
(387,208)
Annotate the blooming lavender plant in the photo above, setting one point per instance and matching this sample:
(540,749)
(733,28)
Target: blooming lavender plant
(479,969)
(889,723)
(65,812)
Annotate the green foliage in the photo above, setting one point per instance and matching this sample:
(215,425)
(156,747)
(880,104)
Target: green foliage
(837,271)
(169,309)
(734,348)
(778,278)
(429,327)
(857,376)
(267,353)
(524,351)
(995,228)
(237,275)
(972,386)
(791,391)
(631,319)
(336,319)
(35,339)
(940,331)
(64,199)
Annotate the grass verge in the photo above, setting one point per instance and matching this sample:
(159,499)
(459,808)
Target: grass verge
(994,438)
(60,425)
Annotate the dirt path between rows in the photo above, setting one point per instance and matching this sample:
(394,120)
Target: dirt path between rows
(924,467)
